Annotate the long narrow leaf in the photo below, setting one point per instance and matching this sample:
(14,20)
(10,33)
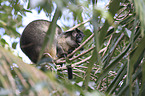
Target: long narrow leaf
(113,8)
(50,33)
(113,64)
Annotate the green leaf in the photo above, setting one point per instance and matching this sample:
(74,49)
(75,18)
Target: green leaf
(14,45)
(113,8)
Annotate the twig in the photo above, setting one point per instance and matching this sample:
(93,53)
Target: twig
(86,41)
(80,62)
(61,60)
(79,24)
(107,45)
(87,51)
(73,65)
(77,75)
(79,70)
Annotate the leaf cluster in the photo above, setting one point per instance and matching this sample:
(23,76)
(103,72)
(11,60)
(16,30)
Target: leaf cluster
(112,61)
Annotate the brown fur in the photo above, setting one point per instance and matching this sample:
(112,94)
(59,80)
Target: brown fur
(32,39)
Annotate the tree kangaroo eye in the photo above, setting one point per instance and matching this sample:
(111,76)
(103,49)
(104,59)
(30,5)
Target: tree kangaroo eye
(78,35)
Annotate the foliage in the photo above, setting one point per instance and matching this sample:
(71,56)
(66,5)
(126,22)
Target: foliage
(112,61)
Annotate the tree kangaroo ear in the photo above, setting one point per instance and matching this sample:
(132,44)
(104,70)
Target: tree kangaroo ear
(77,29)
(80,32)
